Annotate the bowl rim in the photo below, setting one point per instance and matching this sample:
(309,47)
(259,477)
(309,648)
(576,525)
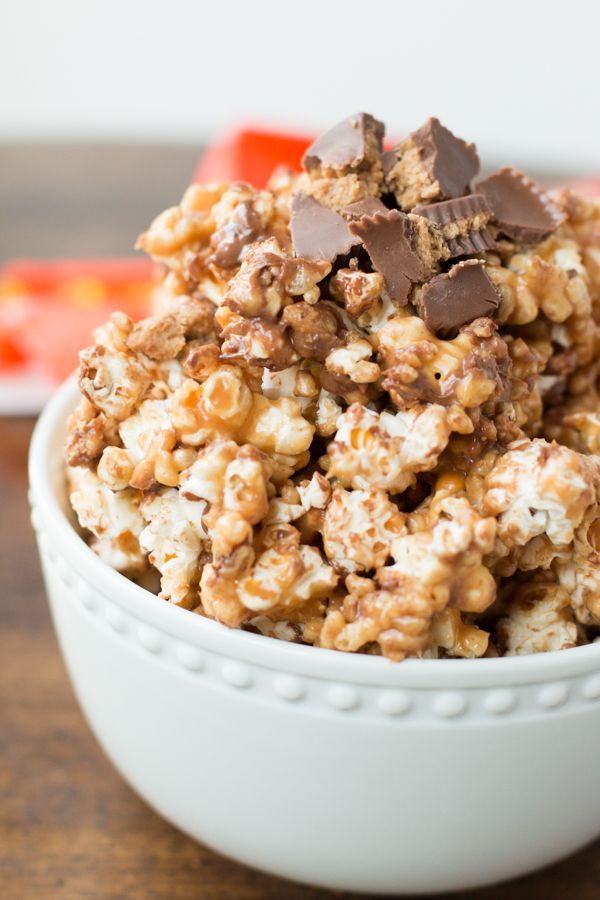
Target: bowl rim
(255,648)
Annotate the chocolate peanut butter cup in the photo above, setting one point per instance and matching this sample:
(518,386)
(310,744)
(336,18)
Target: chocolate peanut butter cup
(449,301)
(463,223)
(318,232)
(347,145)
(520,208)
(390,239)
(432,163)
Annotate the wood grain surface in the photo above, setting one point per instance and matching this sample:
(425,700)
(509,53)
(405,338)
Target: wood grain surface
(69,826)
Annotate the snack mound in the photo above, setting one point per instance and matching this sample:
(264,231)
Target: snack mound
(366,416)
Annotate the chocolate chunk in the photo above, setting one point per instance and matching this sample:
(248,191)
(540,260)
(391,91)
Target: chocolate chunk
(318,232)
(462,222)
(520,209)
(448,160)
(449,301)
(346,145)
(367,207)
(389,158)
(390,239)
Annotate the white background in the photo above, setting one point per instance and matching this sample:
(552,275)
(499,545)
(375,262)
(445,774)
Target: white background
(519,78)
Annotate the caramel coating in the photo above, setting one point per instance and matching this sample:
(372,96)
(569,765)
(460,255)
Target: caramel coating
(288,451)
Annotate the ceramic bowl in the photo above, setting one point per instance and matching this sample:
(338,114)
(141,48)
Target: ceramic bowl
(349,772)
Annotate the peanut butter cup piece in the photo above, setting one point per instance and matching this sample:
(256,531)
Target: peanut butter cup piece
(432,163)
(367,207)
(462,222)
(347,145)
(449,301)
(389,158)
(318,232)
(390,239)
(520,208)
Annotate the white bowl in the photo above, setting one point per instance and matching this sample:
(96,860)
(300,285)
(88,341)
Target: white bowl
(349,772)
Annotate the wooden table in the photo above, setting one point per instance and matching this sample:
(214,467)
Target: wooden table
(69,827)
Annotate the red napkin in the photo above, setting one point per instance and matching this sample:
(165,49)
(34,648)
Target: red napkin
(48,308)
(251,155)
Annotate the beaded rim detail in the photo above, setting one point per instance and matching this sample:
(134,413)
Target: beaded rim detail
(389,703)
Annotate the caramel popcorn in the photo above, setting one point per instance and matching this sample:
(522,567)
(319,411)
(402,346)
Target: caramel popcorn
(173,540)
(365,414)
(285,576)
(268,280)
(387,450)
(111,376)
(469,370)
(578,569)
(353,359)
(537,488)
(112,517)
(537,619)
(241,216)
(328,414)
(583,225)
(235,480)
(452,636)
(436,566)
(223,406)
(89,432)
(359,528)
(358,291)
(255,341)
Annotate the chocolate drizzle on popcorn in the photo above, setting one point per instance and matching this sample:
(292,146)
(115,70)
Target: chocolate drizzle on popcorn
(366,415)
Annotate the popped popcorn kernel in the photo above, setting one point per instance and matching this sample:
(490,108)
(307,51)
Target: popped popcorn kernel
(387,450)
(538,619)
(173,540)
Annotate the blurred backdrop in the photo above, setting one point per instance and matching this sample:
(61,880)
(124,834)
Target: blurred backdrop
(519,78)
